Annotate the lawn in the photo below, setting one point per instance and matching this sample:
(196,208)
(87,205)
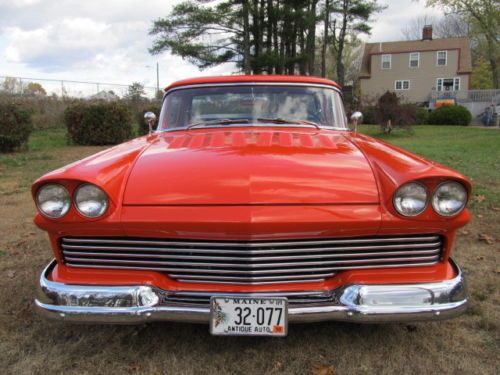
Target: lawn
(466,345)
(475,152)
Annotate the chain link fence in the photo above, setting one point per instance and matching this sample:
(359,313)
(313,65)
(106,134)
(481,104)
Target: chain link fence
(25,86)
(47,99)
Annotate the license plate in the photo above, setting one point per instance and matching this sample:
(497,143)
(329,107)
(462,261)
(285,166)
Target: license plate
(248,316)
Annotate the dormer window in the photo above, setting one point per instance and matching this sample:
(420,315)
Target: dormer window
(386,61)
(414,59)
(442,58)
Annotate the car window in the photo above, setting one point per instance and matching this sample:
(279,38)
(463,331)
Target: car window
(183,107)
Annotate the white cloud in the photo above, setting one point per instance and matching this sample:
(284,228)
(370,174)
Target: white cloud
(108,41)
(59,44)
(388,24)
(17,3)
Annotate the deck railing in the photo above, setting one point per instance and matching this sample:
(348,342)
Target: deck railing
(468,96)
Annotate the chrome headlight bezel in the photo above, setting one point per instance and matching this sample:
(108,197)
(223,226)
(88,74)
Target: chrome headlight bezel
(104,200)
(436,192)
(396,204)
(66,200)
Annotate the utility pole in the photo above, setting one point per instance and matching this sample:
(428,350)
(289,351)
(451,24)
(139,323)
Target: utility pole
(157,78)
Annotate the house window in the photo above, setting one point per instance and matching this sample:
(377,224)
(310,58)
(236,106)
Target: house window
(414,59)
(442,58)
(448,84)
(402,84)
(386,61)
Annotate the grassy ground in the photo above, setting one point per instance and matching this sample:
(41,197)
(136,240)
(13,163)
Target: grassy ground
(466,345)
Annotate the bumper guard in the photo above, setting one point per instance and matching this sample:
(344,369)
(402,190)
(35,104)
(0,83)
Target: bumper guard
(353,303)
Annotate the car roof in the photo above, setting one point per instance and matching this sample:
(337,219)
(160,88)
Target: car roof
(253,79)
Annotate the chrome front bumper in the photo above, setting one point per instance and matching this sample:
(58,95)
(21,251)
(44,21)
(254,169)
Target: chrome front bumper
(353,303)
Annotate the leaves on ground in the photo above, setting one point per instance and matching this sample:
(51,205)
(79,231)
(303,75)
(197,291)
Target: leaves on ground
(479,198)
(486,238)
(11,274)
(322,369)
(411,327)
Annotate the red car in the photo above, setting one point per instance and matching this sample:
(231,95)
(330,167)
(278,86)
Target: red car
(252,205)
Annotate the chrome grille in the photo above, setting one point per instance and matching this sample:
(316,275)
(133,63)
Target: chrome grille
(252,262)
(309,298)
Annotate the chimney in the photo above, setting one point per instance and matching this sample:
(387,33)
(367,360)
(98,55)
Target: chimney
(427,32)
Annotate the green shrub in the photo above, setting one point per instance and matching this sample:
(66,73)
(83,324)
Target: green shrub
(450,115)
(407,115)
(98,123)
(143,127)
(422,116)
(369,115)
(15,126)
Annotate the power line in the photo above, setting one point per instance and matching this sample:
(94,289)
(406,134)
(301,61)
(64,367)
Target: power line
(71,81)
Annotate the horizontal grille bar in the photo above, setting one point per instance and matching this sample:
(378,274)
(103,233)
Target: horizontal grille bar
(294,298)
(255,262)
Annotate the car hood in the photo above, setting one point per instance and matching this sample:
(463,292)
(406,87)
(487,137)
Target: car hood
(251,167)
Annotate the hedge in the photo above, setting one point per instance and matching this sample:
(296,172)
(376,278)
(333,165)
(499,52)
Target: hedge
(143,127)
(15,127)
(370,115)
(450,115)
(98,123)
(422,116)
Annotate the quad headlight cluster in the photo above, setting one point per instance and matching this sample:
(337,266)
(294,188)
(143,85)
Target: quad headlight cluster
(448,199)
(54,201)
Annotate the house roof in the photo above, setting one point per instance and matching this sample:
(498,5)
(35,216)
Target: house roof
(462,44)
(253,79)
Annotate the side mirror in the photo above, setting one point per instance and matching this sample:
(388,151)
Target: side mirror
(356,117)
(150,119)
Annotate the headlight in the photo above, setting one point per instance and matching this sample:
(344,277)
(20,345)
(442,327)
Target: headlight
(449,198)
(90,200)
(410,199)
(53,200)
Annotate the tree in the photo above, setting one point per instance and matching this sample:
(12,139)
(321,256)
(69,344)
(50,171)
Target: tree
(451,26)
(354,17)
(205,36)
(135,91)
(261,36)
(484,16)
(35,89)
(481,75)
(12,85)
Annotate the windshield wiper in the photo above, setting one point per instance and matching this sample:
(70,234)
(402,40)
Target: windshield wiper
(225,121)
(279,120)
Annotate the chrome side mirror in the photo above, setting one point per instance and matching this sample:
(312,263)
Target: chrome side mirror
(356,117)
(150,119)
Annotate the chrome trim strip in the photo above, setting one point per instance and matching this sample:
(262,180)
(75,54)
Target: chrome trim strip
(253,125)
(250,244)
(353,303)
(283,280)
(254,272)
(252,252)
(244,258)
(229,84)
(251,266)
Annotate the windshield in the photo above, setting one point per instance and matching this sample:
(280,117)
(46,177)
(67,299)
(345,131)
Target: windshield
(248,105)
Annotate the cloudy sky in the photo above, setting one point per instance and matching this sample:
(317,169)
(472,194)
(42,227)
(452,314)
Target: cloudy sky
(108,41)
